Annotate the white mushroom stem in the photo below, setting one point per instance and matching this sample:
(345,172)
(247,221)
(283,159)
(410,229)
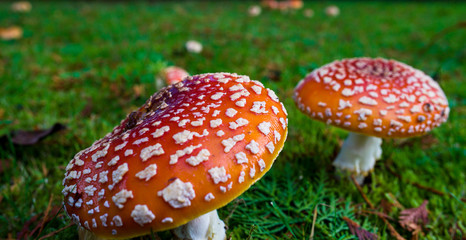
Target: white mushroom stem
(206,227)
(358,154)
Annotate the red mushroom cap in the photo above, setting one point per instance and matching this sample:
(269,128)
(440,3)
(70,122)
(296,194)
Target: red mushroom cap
(377,97)
(295,4)
(174,74)
(191,148)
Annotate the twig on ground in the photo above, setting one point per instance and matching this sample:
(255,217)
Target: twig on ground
(392,230)
(47,211)
(395,201)
(445,31)
(377,213)
(432,190)
(362,192)
(250,232)
(55,232)
(237,202)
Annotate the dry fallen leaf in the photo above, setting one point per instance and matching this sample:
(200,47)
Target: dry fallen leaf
(386,206)
(21,6)
(273,72)
(358,231)
(414,218)
(426,141)
(22,137)
(11,33)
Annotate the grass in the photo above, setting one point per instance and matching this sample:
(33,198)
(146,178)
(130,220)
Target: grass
(78,64)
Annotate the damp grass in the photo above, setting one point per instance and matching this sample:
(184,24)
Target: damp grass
(87,65)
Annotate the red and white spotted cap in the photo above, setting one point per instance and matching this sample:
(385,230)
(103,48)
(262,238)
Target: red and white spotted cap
(174,74)
(377,97)
(190,149)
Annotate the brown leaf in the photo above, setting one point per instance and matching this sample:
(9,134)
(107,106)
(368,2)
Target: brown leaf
(273,72)
(22,137)
(11,33)
(65,83)
(414,218)
(426,141)
(386,206)
(358,231)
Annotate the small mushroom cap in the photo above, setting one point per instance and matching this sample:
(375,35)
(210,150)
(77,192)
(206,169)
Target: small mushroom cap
(295,4)
(377,97)
(192,148)
(332,11)
(174,74)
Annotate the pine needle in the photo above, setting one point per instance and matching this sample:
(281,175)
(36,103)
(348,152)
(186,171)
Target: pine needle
(55,232)
(392,230)
(44,219)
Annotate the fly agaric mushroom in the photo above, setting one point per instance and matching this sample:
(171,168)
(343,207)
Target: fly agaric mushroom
(174,74)
(332,11)
(190,149)
(170,75)
(374,99)
(295,4)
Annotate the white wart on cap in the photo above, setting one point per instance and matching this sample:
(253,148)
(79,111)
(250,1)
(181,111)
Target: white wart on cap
(192,148)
